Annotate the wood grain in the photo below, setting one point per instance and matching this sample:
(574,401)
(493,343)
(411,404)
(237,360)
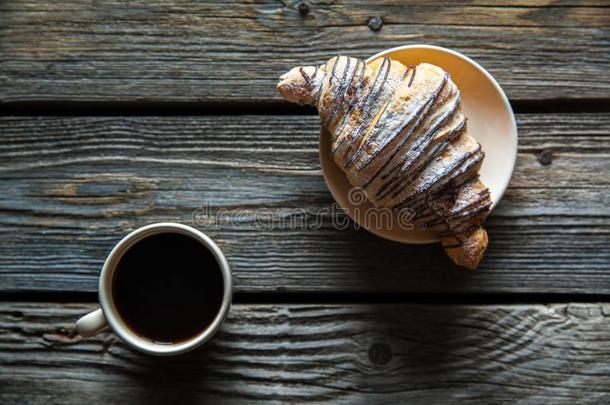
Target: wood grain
(71,187)
(186,50)
(322,353)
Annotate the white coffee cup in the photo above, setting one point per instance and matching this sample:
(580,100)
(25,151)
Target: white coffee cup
(108,316)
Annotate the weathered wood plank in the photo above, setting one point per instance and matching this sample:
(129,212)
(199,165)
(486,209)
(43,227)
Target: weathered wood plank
(71,187)
(187,50)
(324,353)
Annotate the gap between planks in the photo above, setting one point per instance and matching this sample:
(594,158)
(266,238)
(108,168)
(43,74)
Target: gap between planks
(482,299)
(73,109)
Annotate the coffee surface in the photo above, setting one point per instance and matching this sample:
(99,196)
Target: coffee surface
(168,288)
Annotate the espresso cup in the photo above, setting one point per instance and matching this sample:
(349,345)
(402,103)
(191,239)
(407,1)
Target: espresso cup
(116,268)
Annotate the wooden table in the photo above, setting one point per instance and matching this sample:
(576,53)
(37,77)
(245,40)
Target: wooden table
(118,114)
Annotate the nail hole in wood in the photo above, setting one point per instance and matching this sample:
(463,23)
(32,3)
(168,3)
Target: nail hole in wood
(375,23)
(304,8)
(380,353)
(545,157)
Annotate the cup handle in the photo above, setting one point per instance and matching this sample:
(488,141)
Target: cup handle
(92,323)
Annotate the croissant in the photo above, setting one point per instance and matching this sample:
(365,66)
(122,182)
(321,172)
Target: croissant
(398,132)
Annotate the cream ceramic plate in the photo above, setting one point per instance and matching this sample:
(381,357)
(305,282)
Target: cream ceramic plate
(490,121)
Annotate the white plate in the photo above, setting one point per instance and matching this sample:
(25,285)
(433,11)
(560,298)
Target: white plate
(490,121)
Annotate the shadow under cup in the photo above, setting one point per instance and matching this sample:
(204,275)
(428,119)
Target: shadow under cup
(165,288)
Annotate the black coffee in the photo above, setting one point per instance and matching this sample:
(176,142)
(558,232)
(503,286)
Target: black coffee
(168,287)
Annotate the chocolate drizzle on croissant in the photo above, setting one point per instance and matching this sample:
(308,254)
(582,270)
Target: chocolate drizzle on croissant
(399,133)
